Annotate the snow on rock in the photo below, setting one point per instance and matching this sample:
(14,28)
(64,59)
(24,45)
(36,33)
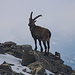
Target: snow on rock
(16,61)
(48,72)
(17,64)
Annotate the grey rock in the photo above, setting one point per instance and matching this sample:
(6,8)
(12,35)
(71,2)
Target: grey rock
(35,60)
(7,49)
(9,44)
(27,48)
(35,65)
(57,55)
(5,69)
(37,68)
(73,73)
(44,61)
(51,63)
(2,51)
(27,59)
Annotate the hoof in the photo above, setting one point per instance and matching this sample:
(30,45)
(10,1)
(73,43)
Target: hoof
(41,50)
(47,53)
(35,49)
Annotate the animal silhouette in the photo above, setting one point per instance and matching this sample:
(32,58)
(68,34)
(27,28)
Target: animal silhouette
(39,33)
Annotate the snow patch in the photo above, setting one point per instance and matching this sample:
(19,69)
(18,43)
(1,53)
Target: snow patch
(48,72)
(16,61)
(17,64)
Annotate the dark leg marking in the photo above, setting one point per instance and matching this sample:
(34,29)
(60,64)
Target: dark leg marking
(40,46)
(44,43)
(35,44)
(48,43)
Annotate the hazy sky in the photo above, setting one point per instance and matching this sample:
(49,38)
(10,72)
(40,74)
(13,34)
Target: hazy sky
(57,15)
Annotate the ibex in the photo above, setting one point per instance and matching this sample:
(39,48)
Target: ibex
(40,34)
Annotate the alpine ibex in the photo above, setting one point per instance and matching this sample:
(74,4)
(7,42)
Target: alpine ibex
(40,34)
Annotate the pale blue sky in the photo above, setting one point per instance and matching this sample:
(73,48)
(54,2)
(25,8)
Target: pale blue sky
(57,15)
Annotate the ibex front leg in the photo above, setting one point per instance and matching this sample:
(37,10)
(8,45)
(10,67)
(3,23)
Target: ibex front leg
(35,44)
(40,46)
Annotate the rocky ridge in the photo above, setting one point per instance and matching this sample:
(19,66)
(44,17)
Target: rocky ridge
(35,60)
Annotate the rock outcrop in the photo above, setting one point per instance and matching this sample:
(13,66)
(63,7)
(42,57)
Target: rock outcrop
(14,49)
(27,59)
(5,69)
(35,60)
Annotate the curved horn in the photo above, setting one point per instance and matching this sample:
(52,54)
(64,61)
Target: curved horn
(37,17)
(31,15)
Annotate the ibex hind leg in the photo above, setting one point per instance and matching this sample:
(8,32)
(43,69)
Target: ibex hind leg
(44,43)
(48,43)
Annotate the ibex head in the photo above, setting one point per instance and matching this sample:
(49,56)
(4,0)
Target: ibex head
(32,21)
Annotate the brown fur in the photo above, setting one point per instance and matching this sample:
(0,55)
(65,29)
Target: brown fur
(40,33)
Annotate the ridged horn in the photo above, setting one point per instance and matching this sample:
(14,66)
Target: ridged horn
(31,15)
(37,17)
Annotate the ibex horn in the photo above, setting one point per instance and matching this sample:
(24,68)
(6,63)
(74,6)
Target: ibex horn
(31,15)
(37,17)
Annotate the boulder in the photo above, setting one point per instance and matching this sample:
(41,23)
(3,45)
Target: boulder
(5,69)
(47,61)
(37,68)
(27,59)
(7,49)
(66,69)
(73,73)
(50,62)
(35,65)
(16,54)
(21,49)
(57,55)
(1,49)
(27,48)
(9,44)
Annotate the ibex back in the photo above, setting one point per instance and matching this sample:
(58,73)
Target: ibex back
(40,34)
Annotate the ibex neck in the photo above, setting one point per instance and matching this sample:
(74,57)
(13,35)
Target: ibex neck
(32,27)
